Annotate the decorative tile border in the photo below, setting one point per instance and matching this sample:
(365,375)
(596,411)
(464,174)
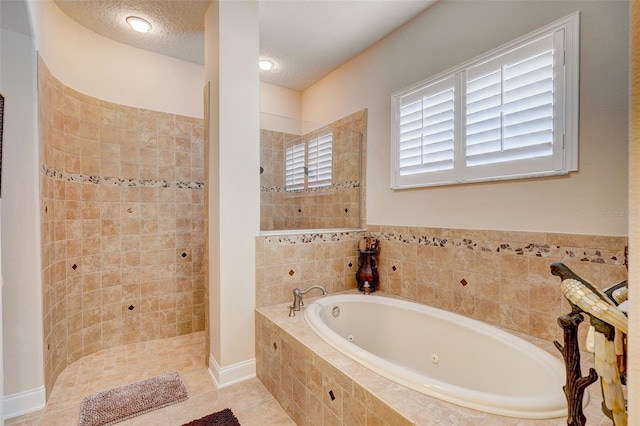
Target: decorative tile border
(340,185)
(113,181)
(312,237)
(531,249)
(592,255)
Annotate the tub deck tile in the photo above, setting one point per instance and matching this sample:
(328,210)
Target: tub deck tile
(385,402)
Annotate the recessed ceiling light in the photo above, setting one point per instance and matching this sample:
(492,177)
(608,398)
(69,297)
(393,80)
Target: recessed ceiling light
(138,24)
(265,64)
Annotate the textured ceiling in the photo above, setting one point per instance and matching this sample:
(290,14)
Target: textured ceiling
(306,38)
(177,31)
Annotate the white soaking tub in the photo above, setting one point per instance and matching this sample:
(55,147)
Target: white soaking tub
(442,354)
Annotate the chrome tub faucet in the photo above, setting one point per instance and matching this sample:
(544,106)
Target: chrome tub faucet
(297,298)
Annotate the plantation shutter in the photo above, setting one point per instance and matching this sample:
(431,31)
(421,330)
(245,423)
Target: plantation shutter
(509,109)
(319,161)
(426,123)
(294,167)
(510,113)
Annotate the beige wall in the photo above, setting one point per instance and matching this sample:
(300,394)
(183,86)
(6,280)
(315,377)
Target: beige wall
(22,302)
(233,185)
(112,71)
(591,201)
(280,101)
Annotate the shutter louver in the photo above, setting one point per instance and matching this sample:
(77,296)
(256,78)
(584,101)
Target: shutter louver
(509,109)
(320,161)
(294,167)
(427,130)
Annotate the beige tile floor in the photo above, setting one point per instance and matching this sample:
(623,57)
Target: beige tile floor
(249,400)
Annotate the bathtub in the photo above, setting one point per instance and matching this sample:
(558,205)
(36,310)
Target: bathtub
(442,354)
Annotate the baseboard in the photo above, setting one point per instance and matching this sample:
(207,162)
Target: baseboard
(232,374)
(24,402)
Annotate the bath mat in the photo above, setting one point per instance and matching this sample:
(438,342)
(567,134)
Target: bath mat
(221,418)
(124,402)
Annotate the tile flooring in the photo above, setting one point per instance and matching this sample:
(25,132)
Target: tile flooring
(250,401)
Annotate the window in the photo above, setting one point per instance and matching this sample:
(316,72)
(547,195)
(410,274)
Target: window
(510,113)
(309,164)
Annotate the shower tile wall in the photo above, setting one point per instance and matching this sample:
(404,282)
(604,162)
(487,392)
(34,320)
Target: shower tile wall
(272,196)
(284,263)
(499,277)
(122,224)
(335,207)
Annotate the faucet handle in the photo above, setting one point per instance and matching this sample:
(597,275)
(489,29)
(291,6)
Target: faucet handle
(292,313)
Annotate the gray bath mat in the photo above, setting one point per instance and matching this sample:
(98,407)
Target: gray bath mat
(124,402)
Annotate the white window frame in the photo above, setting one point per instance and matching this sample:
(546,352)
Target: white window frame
(564,34)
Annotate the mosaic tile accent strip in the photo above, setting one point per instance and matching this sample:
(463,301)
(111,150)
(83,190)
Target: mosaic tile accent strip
(531,249)
(316,237)
(114,181)
(554,251)
(339,185)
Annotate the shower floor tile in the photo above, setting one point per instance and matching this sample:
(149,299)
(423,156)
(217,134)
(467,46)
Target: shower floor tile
(250,401)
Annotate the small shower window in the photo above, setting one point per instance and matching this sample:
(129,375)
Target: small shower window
(309,164)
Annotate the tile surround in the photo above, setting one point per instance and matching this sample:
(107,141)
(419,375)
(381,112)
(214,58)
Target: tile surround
(121,199)
(499,277)
(289,261)
(302,371)
(308,385)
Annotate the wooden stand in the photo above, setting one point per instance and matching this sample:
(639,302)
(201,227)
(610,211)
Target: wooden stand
(576,384)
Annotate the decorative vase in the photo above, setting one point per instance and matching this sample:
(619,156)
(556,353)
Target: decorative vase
(367,274)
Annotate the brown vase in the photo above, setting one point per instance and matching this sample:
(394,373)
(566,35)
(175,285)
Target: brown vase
(367,271)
